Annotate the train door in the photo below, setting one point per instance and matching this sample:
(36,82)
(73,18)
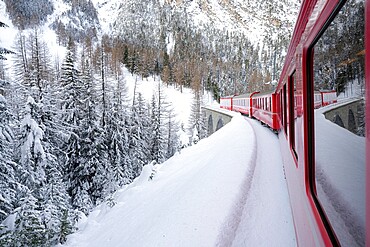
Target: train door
(338,164)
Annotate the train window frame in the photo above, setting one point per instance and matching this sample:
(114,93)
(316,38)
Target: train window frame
(285,109)
(270,104)
(310,120)
(281,113)
(266,104)
(292,112)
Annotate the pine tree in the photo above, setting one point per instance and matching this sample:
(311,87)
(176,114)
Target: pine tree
(139,135)
(156,138)
(39,66)
(58,215)
(72,92)
(172,138)
(2,49)
(197,127)
(7,172)
(160,126)
(31,152)
(29,230)
(93,153)
(116,135)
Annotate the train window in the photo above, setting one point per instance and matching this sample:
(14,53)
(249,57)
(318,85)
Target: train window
(292,111)
(285,109)
(339,140)
(281,110)
(270,102)
(266,106)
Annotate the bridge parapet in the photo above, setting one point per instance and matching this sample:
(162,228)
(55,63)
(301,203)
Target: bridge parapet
(347,115)
(216,118)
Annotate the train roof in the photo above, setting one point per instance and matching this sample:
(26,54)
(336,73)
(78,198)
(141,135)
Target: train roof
(265,93)
(227,97)
(244,95)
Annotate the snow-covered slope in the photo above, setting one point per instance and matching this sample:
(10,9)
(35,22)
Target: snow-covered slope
(107,13)
(197,197)
(180,102)
(250,17)
(254,18)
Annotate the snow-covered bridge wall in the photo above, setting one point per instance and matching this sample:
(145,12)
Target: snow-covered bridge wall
(347,115)
(216,118)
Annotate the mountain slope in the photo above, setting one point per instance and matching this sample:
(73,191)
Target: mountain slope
(249,17)
(255,18)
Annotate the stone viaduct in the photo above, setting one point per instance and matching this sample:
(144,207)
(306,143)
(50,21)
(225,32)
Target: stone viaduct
(348,115)
(216,118)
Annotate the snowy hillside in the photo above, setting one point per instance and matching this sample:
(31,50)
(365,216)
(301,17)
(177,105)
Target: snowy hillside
(253,18)
(249,17)
(83,115)
(197,198)
(180,102)
(107,11)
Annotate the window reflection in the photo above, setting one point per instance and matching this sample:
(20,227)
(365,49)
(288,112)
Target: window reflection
(339,127)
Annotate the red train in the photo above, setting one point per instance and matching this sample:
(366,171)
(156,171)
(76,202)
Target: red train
(326,166)
(265,106)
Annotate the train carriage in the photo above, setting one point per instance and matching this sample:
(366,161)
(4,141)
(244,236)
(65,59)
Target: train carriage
(326,159)
(325,164)
(317,99)
(264,108)
(328,97)
(226,102)
(243,103)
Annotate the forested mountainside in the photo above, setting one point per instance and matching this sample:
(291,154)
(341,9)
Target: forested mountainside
(69,18)
(68,135)
(225,46)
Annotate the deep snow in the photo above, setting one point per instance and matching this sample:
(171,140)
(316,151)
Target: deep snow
(197,198)
(340,177)
(228,190)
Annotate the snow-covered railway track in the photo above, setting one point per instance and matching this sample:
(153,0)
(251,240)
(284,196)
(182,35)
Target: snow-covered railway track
(267,218)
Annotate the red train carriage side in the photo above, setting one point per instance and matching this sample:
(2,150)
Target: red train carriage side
(325,164)
(226,102)
(328,97)
(243,103)
(317,99)
(264,108)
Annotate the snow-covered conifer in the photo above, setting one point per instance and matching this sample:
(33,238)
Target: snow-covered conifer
(197,127)
(7,173)
(31,157)
(71,103)
(172,138)
(2,49)
(29,229)
(139,135)
(117,134)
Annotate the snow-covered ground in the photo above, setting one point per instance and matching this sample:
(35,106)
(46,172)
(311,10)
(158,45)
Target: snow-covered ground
(266,219)
(340,176)
(227,189)
(179,102)
(107,11)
